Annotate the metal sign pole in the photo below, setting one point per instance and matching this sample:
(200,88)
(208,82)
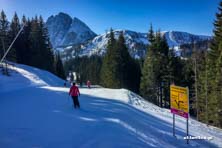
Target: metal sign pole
(174,125)
(187,132)
(188,114)
(179,104)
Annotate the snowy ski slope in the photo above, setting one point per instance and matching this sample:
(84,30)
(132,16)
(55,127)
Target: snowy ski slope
(36,112)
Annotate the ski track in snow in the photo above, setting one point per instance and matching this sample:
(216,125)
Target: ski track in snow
(36,112)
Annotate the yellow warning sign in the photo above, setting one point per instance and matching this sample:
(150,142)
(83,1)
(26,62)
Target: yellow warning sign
(179,100)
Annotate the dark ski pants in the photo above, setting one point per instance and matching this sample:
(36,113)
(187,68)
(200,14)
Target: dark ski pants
(75,101)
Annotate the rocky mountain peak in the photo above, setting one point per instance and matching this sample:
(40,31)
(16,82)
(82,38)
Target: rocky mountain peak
(64,31)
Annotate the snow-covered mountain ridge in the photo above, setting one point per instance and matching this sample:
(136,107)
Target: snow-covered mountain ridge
(76,37)
(136,42)
(33,104)
(177,38)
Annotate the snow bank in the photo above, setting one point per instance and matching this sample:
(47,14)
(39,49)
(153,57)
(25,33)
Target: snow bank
(22,76)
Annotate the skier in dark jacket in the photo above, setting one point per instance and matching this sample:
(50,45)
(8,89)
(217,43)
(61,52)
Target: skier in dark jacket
(74,92)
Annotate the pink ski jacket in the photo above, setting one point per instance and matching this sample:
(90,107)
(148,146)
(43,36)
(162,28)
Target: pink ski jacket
(74,91)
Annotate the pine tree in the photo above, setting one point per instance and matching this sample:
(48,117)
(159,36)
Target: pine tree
(4,25)
(35,43)
(119,69)
(59,70)
(109,71)
(148,79)
(150,35)
(5,40)
(164,78)
(123,61)
(200,102)
(218,80)
(148,83)
(46,47)
(17,46)
(134,75)
(25,51)
(155,78)
(214,73)
(40,47)
(94,67)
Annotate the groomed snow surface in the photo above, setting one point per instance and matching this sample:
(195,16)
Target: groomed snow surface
(36,112)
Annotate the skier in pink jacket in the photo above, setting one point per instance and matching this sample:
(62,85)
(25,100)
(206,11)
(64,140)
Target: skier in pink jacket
(74,93)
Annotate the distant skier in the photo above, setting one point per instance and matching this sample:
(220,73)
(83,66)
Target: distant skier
(74,92)
(88,84)
(80,84)
(65,84)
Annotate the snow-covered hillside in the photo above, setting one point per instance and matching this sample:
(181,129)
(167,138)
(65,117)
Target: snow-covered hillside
(177,38)
(64,31)
(35,111)
(135,41)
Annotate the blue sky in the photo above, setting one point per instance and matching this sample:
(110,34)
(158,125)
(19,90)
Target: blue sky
(194,16)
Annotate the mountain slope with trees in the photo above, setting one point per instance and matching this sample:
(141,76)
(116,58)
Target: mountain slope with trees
(32,47)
